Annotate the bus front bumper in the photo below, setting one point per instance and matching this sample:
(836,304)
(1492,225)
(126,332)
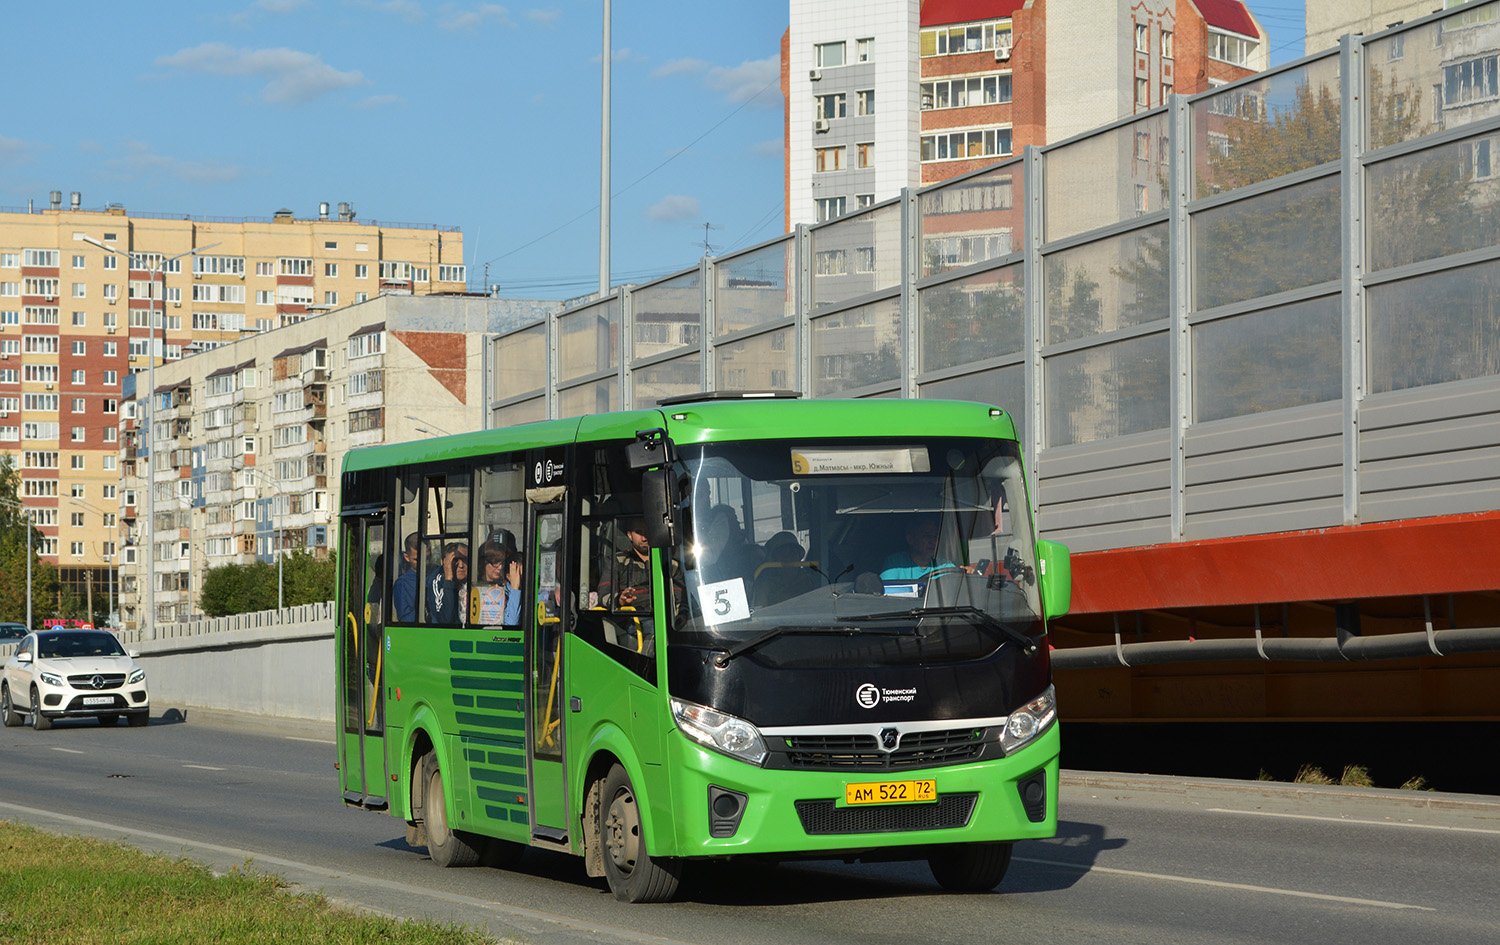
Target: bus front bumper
(727,807)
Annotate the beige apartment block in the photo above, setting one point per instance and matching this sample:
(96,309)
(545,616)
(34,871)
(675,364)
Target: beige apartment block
(1327,20)
(251,436)
(76,320)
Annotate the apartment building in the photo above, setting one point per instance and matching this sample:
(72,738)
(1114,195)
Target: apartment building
(903,93)
(89,297)
(245,461)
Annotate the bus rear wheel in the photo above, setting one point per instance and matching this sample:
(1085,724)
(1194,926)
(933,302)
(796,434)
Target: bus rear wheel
(447,847)
(632,873)
(970,867)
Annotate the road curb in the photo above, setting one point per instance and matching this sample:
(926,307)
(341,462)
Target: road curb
(1206,787)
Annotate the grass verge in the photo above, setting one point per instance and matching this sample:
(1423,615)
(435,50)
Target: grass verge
(64,890)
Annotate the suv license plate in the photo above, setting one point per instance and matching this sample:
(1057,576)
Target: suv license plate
(98,700)
(891,792)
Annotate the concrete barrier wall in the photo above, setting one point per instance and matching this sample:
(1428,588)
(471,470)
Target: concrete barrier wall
(277,663)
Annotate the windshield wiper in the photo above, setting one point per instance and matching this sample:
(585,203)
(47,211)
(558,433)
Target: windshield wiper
(1027,644)
(722,658)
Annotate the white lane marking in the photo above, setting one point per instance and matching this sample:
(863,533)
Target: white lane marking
(1350,820)
(315,741)
(70,751)
(205,767)
(185,846)
(1196,881)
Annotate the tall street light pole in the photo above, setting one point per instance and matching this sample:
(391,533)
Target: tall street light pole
(159,271)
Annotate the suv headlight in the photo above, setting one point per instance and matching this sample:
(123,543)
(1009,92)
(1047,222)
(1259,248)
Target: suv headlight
(139,675)
(51,679)
(1029,721)
(726,733)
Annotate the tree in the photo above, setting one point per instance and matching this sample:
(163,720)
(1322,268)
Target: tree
(247,588)
(13,528)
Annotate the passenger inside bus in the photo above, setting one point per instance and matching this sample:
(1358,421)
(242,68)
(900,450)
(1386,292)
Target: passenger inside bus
(499,585)
(404,591)
(784,574)
(726,554)
(448,585)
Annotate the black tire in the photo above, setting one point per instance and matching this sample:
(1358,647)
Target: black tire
(970,867)
(632,873)
(109,720)
(38,721)
(138,719)
(448,848)
(8,713)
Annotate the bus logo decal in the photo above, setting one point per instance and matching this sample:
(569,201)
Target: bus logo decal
(889,739)
(868,696)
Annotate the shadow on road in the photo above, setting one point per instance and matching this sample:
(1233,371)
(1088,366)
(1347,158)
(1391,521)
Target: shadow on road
(1058,863)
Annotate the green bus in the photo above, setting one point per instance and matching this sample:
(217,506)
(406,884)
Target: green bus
(733,625)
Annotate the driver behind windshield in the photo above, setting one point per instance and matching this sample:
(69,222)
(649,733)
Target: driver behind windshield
(919,558)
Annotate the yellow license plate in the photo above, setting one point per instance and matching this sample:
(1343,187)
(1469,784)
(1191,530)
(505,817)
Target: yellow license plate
(891,792)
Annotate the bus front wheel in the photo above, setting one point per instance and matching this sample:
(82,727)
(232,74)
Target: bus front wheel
(632,873)
(446,846)
(970,867)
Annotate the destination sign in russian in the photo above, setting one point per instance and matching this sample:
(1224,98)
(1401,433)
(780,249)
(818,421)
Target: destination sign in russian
(836,461)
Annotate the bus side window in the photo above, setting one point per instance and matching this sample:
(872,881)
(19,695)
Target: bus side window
(432,585)
(497,581)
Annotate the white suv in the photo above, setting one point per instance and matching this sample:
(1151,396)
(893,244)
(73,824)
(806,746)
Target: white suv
(69,674)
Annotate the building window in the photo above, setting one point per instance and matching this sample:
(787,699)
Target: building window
(80,290)
(265,269)
(865,154)
(829,159)
(828,55)
(330,298)
(1142,38)
(1166,44)
(961,93)
(1231,49)
(331,270)
(292,266)
(864,49)
(40,257)
(111,262)
(971,37)
(111,378)
(362,271)
(1142,93)
(967,144)
(830,208)
(10,260)
(830,106)
(1470,81)
(453,274)
(864,102)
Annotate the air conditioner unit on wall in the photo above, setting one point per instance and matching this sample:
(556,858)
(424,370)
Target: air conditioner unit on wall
(1002,53)
(814,75)
(820,125)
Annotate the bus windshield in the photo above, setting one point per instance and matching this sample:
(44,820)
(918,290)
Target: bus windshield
(842,552)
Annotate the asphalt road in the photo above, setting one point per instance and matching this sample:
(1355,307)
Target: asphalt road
(1137,859)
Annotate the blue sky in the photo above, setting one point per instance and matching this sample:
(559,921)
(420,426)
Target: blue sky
(472,114)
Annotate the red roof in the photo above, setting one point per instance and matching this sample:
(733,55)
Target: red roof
(943,12)
(1228,15)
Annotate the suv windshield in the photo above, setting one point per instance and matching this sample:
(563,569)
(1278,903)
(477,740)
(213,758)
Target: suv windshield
(68,645)
(856,551)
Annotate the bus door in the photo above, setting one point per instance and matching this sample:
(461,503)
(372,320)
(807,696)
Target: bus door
(362,758)
(546,624)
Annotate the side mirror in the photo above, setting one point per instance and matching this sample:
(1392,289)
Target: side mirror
(1055,565)
(659,506)
(23,657)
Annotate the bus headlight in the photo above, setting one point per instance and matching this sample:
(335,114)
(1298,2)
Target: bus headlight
(726,733)
(1029,721)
